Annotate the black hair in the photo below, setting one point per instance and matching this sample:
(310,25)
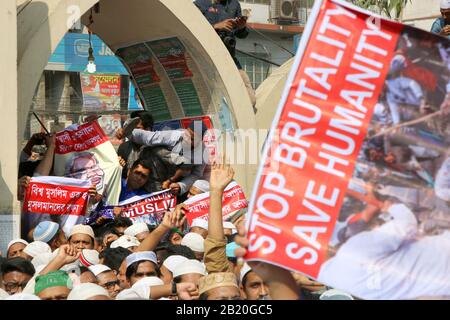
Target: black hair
(84,269)
(120,221)
(113,257)
(180,250)
(2,261)
(146,164)
(132,269)
(103,231)
(18,264)
(145,116)
(203,296)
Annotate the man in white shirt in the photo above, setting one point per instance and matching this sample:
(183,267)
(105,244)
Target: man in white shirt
(390,262)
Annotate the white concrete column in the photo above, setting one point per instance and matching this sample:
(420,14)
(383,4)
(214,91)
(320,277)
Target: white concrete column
(9,207)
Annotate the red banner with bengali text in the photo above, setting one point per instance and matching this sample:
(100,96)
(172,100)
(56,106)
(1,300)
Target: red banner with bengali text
(56,195)
(233,199)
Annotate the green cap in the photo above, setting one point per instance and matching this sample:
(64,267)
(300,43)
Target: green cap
(52,279)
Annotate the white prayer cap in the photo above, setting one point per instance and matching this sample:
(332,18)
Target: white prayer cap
(23,296)
(190,266)
(89,257)
(42,259)
(141,256)
(131,294)
(136,229)
(99,268)
(244,270)
(334,294)
(82,229)
(86,291)
(45,231)
(199,222)
(3,294)
(194,241)
(445,4)
(171,262)
(16,241)
(126,242)
(148,282)
(36,248)
(201,185)
(229,225)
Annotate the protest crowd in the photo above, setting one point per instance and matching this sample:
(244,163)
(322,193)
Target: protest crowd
(105,255)
(157,219)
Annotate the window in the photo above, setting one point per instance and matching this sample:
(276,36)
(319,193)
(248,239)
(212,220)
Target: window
(257,70)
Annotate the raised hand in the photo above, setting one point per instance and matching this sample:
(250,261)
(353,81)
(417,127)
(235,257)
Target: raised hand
(221,176)
(67,254)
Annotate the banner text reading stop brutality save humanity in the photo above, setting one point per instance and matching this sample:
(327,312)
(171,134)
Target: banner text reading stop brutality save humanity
(321,127)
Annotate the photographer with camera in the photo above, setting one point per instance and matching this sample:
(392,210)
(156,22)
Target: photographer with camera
(226,18)
(442,25)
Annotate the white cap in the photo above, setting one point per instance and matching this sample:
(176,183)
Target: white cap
(37,248)
(23,296)
(89,257)
(99,268)
(16,241)
(148,282)
(86,291)
(172,261)
(445,4)
(141,256)
(126,242)
(244,270)
(199,222)
(229,225)
(142,288)
(190,266)
(201,185)
(334,294)
(82,229)
(136,229)
(3,294)
(131,294)
(194,241)
(42,259)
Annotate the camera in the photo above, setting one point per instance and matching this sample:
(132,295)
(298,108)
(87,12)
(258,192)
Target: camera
(228,39)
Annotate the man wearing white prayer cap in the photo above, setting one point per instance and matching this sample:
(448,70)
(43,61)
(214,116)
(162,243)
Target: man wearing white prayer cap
(128,242)
(169,265)
(441,25)
(107,279)
(251,285)
(36,248)
(199,187)
(139,230)
(15,248)
(229,228)
(189,271)
(200,226)
(141,264)
(82,237)
(50,233)
(88,291)
(196,243)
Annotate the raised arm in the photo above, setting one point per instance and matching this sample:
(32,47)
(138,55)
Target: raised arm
(171,220)
(45,166)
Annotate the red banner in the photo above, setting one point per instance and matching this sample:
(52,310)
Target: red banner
(55,195)
(149,208)
(84,137)
(317,134)
(233,200)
